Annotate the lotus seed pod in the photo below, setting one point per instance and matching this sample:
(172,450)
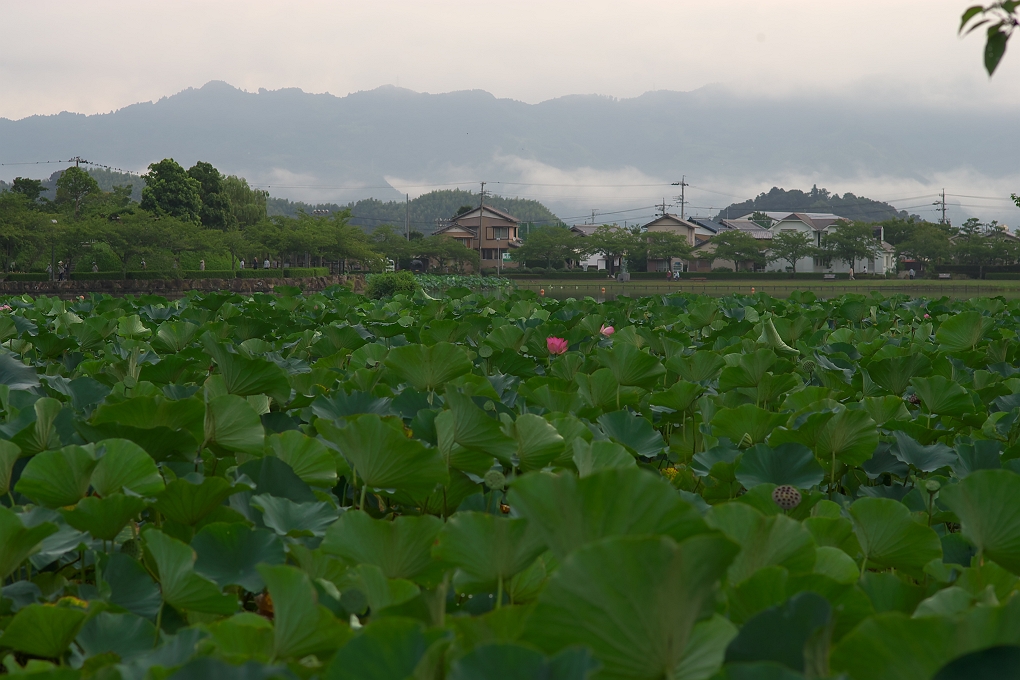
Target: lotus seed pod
(494,479)
(786,497)
(932,485)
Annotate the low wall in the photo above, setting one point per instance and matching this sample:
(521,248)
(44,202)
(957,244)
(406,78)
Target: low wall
(175,287)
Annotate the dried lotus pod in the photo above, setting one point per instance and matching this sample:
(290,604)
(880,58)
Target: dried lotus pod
(786,497)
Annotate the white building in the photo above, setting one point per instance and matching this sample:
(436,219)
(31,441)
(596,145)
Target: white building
(817,225)
(596,261)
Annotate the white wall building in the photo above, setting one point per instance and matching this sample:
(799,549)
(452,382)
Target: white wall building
(817,225)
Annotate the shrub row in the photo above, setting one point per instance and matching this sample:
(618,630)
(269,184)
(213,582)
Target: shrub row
(656,276)
(28,276)
(294,272)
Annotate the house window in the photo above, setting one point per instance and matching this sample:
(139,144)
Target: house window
(490,253)
(463,241)
(499,233)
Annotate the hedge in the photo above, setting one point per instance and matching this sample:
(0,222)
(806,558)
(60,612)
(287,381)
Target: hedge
(96,276)
(657,276)
(152,274)
(305,272)
(259,273)
(209,274)
(293,272)
(28,276)
(1004,276)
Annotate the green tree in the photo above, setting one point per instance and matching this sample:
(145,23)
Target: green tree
(549,245)
(169,190)
(31,189)
(665,245)
(762,219)
(74,185)
(22,230)
(738,246)
(344,242)
(976,244)
(790,246)
(128,235)
(927,244)
(1000,20)
(247,205)
(444,251)
(612,241)
(387,240)
(216,209)
(850,242)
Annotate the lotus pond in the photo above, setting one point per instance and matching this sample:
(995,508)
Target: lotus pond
(684,487)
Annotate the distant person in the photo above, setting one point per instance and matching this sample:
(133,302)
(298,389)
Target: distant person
(242,264)
(669,275)
(144,266)
(911,273)
(265,265)
(676,275)
(201,265)
(851,273)
(864,268)
(95,268)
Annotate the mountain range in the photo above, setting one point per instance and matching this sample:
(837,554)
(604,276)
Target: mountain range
(573,153)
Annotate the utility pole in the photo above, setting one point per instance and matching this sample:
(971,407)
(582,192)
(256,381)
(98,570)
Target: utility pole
(481,225)
(941,205)
(683,185)
(594,211)
(407,216)
(662,207)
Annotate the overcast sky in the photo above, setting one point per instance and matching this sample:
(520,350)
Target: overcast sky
(100,55)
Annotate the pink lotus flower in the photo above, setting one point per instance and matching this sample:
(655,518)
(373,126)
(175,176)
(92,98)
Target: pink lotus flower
(607,330)
(926,316)
(556,345)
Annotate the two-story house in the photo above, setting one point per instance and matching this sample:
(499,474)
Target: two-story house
(498,234)
(694,232)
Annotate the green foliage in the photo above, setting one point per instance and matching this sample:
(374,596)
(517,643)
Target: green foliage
(388,284)
(330,484)
(739,247)
(850,243)
(74,185)
(1000,20)
(549,244)
(424,210)
(816,200)
(169,190)
(790,246)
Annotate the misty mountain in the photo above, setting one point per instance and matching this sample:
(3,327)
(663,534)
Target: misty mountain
(323,148)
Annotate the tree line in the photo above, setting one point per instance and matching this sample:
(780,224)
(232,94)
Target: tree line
(184,218)
(973,243)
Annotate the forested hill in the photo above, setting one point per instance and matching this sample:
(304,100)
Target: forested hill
(368,213)
(425,209)
(106,179)
(852,207)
